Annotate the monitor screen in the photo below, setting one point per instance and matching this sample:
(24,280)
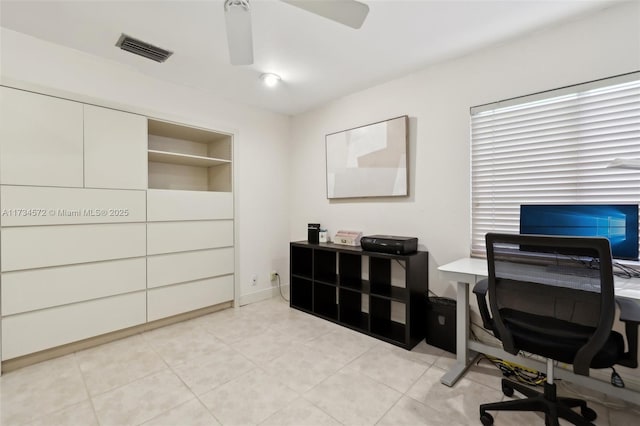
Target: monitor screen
(618,223)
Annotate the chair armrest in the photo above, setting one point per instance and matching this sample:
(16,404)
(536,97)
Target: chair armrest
(630,315)
(480,290)
(629,309)
(481,287)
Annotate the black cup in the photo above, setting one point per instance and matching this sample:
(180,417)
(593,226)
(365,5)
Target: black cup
(313,233)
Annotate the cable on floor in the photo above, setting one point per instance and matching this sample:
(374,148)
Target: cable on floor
(280,288)
(535,378)
(515,371)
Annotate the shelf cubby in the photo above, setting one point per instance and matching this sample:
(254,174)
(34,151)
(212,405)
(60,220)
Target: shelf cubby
(302,293)
(391,331)
(350,270)
(324,262)
(363,291)
(382,323)
(301,261)
(389,292)
(187,158)
(325,301)
(184,159)
(379,272)
(351,312)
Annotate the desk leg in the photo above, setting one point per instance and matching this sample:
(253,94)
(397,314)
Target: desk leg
(462,337)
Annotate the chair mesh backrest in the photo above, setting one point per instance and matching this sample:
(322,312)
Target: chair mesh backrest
(565,278)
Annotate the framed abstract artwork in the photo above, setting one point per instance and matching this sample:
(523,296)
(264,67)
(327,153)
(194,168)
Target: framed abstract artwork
(369,161)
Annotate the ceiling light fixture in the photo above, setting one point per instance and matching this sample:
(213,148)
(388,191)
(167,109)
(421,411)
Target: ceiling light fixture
(270,80)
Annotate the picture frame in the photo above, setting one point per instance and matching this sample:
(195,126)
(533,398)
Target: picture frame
(369,161)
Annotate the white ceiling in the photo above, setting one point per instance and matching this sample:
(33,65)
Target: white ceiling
(318,59)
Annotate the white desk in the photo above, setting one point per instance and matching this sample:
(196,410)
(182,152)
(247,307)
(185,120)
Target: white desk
(468,271)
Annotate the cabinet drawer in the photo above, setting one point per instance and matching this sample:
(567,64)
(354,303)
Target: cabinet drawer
(40,140)
(32,205)
(34,289)
(35,331)
(168,205)
(169,237)
(174,268)
(176,299)
(42,246)
(115,149)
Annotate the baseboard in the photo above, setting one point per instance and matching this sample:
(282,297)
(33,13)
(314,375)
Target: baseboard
(264,294)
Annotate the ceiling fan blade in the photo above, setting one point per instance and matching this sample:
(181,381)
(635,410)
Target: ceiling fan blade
(239,37)
(351,13)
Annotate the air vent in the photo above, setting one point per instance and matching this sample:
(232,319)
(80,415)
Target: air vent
(141,48)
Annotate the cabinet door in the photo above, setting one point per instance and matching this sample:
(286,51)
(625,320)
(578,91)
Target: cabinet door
(115,149)
(40,140)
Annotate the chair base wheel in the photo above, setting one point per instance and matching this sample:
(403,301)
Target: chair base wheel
(507,390)
(486,419)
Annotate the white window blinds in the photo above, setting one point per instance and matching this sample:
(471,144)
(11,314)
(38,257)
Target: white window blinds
(553,148)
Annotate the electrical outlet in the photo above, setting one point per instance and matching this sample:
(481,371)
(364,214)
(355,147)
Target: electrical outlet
(254,280)
(273,275)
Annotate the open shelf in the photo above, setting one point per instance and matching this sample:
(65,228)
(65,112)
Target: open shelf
(324,270)
(350,270)
(301,294)
(355,284)
(187,158)
(184,159)
(363,291)
(389,292)
(327,279)
(301,261)
(351,310)
(389,330)
(379,272)
(382,323)
(325,302)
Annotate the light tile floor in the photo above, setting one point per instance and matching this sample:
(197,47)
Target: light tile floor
(261,364)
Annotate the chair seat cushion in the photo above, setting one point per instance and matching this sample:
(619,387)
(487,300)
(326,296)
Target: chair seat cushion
(558,339)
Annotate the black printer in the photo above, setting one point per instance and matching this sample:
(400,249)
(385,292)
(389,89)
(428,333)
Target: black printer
(390,244)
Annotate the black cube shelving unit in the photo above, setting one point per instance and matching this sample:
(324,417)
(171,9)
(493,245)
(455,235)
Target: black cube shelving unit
(327,280)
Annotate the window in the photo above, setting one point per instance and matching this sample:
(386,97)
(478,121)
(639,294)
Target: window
(553,147)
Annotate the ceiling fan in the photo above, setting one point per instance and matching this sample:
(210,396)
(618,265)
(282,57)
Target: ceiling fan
(351,13)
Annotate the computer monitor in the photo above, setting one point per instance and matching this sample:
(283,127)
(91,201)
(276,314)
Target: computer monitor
(616,222)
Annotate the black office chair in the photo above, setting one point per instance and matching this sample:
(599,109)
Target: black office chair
(554,297)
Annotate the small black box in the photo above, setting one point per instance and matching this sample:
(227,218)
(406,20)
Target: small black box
(441,323)
(313,233)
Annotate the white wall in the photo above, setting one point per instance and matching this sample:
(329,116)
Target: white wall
(261,157)
(437,101)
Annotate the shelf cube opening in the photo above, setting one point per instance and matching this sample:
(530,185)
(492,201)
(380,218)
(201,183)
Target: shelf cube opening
(325,266)
(301,294)
(325,300)
(352,309)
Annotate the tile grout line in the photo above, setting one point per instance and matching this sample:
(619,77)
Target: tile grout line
(86,388)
